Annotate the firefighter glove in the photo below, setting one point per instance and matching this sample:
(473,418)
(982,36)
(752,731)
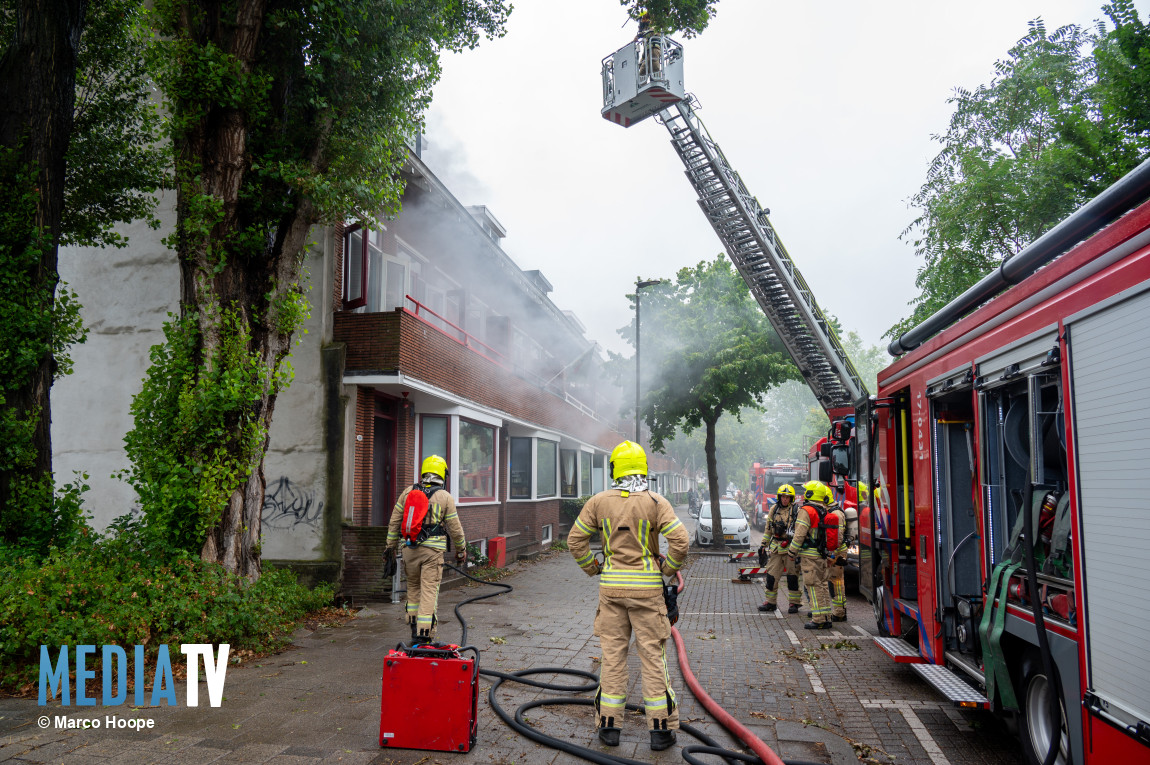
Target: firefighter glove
(461,555)
(840,561)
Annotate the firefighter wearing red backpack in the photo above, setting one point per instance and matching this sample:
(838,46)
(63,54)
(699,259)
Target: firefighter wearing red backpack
(423,517)
(809,545)
(836,562)
(629,518)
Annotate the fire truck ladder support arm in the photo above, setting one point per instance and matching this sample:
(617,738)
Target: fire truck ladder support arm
(763,262)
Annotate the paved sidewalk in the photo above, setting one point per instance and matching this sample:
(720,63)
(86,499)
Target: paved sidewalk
(807,695)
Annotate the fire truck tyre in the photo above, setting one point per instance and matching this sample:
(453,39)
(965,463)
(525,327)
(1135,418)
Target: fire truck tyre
(1034,729)
(876,604)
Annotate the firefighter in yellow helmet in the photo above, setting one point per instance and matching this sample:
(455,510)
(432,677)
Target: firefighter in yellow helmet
(808,548)
(837,561)
(780,525)
(629,518)
(423,558)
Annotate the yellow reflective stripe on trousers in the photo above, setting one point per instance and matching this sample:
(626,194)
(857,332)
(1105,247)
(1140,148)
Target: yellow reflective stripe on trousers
(610,702)
(631,579)
(656,704)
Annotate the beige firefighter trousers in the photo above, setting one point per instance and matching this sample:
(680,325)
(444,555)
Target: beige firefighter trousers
(779,565)
(815,580)
(837,586)
(615,620)
(423,567)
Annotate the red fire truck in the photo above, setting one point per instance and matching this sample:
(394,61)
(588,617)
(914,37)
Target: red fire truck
(1004,469)
(765,479)
(1001,469)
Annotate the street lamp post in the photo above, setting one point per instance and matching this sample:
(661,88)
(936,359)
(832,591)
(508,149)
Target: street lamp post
(639,284)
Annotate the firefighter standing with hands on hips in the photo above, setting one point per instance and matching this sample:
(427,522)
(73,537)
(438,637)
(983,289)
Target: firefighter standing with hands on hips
(808,547)
(780,525)
(837,561)
(423,554)
(629,518)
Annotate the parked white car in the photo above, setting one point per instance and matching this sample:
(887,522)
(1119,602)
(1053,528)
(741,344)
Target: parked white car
(736,530)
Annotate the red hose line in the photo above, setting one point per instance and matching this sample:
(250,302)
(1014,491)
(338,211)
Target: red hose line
(725,719)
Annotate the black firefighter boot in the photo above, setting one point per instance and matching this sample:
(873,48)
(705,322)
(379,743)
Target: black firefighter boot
(608,733)
(662,738)
(768,607)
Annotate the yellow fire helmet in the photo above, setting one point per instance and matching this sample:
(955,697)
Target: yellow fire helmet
(786,490)
(436,465)
(816,491)
(628,458)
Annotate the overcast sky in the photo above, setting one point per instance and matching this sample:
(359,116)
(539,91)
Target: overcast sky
(826,111)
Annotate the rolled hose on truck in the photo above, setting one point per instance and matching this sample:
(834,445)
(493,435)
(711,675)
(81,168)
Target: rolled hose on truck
(763,755)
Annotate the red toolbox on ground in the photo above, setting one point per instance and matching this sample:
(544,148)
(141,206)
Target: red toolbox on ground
(430,698)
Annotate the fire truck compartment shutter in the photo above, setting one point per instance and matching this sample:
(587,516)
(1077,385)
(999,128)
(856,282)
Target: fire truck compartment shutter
(1110,379)
(1022,355)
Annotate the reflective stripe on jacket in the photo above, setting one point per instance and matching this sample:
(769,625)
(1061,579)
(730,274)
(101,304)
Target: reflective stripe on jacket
(629,527)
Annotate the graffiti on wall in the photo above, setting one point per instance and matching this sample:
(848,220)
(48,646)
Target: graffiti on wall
(288,505)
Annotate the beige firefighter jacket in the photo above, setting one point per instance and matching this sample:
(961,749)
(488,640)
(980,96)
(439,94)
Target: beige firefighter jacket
(441,510)
(804,530)
(769,541)
(630,527)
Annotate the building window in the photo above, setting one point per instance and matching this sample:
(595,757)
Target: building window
(354,268)
(547,534)
(568,472)
(597,476)
(545,467)
(433,438)
(585,473)
(520,469)
(476,461)
(395,288)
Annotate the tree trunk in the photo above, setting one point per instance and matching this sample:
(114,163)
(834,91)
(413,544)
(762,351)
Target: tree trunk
(37,98)
(221,275)
(717,540)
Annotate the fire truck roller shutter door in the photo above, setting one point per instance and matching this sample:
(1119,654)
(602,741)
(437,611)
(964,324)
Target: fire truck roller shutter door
(1110,385)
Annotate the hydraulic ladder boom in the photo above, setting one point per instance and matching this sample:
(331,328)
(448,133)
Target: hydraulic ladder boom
(755,249)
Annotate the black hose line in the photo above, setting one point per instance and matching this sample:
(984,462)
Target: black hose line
(519,723)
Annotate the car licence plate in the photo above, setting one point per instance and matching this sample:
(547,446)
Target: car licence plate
(729,537)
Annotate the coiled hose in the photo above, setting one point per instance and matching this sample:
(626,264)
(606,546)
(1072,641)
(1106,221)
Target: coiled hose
(763,755)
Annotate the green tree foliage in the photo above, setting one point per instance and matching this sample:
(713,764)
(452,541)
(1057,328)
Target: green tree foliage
(282,115)
(688,16)
(77,129)
(1063,118)
(707,350)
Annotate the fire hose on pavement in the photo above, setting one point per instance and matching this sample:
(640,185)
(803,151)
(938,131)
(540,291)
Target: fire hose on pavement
(763,755)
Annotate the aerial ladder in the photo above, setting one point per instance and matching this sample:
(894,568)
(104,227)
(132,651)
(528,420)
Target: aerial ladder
(645,78)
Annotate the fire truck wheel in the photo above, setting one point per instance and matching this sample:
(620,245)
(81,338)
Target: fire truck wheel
(1034,725)
(877,605)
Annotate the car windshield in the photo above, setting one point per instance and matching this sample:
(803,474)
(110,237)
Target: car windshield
(730,510)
